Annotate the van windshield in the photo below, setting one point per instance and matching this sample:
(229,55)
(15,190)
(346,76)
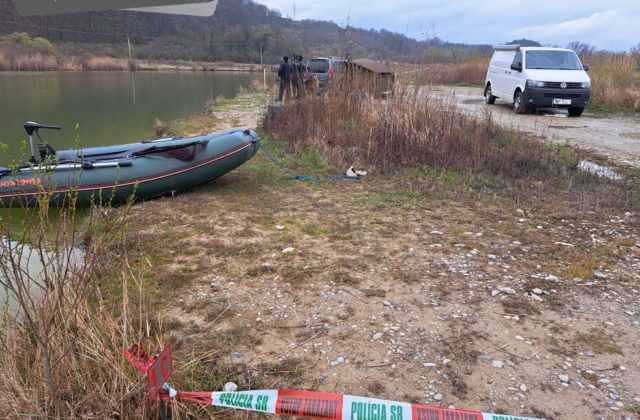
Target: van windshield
(318,66)
(552,60)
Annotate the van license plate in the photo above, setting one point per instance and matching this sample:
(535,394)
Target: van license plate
(557,101)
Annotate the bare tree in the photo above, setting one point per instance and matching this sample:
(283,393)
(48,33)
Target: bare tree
(46,270)
(582,49)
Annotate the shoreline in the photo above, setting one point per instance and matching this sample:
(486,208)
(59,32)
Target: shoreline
(77,64)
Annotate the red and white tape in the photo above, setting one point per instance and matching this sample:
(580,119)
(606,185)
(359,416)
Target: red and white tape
(307,404)
(320,405)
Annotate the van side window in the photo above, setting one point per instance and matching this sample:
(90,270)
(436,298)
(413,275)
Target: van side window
(518,58)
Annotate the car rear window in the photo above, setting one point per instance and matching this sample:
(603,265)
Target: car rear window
(318,66)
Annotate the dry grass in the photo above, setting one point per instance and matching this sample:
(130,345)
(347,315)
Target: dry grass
(70,63)
(34,62)
(409,130)
(45,62)
(615,81)
(582,265)
(106,64)
(61,351)
(4,63)
(598,341)
(471,72)
(92,377)
(160,127)
(15,58)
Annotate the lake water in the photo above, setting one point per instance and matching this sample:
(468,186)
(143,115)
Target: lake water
(109,107)
(32,265)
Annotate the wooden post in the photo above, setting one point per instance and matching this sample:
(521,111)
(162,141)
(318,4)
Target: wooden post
(264,77)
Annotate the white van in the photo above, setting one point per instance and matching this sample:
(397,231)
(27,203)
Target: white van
(536,77)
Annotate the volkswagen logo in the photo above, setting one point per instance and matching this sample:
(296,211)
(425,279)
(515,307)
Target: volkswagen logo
(563,85)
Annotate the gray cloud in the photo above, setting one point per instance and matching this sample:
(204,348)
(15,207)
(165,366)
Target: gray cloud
(614,24)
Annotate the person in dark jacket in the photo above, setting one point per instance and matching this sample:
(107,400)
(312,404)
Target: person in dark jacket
(294,77)
(284,73)
(297,76)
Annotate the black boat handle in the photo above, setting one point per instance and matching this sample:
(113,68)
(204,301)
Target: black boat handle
(31,127)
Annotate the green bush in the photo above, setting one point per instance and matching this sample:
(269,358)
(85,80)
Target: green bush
(23,39)
(44,45)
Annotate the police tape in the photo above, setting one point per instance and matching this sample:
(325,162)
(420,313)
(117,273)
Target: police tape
(327,406)
(306,404)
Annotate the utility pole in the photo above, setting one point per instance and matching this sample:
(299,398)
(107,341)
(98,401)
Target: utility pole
(129,44)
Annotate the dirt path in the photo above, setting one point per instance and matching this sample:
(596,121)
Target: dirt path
(426,293)
(615,136)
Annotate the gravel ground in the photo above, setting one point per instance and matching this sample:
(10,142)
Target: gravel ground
(434,295)
(615,136)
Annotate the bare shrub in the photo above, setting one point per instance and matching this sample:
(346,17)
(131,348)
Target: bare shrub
(61,341)
(160,127)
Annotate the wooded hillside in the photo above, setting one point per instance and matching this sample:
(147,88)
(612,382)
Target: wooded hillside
(240,30)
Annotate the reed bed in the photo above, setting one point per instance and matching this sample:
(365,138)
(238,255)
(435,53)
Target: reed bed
(471,72)
(615,81)
(409,130)
(34,62)
(106,64)
(12,59)
(70,63)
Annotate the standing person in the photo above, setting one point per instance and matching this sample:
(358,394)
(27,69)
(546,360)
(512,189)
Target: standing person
(284,73)
(301,75)
(295,77)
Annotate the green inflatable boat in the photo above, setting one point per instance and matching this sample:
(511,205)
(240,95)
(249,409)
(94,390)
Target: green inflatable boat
(113,174)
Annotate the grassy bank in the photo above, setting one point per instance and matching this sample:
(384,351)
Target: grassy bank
(20,52)
(414,250)
(36,61)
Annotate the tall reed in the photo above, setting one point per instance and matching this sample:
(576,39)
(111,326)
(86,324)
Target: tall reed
(615,81)
(470,72)
(34,62)
(106,64)
(409,130)
(70,63)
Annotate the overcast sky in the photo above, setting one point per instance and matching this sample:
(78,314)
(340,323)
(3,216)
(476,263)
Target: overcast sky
(608,24)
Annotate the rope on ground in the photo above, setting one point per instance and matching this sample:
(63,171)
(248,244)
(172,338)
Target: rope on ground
(297,177)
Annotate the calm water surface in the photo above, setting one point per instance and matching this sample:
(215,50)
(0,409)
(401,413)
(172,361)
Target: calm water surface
(109,107)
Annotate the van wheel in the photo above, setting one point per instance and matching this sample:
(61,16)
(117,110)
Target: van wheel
(488,97)
(575,112)
(518,106)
